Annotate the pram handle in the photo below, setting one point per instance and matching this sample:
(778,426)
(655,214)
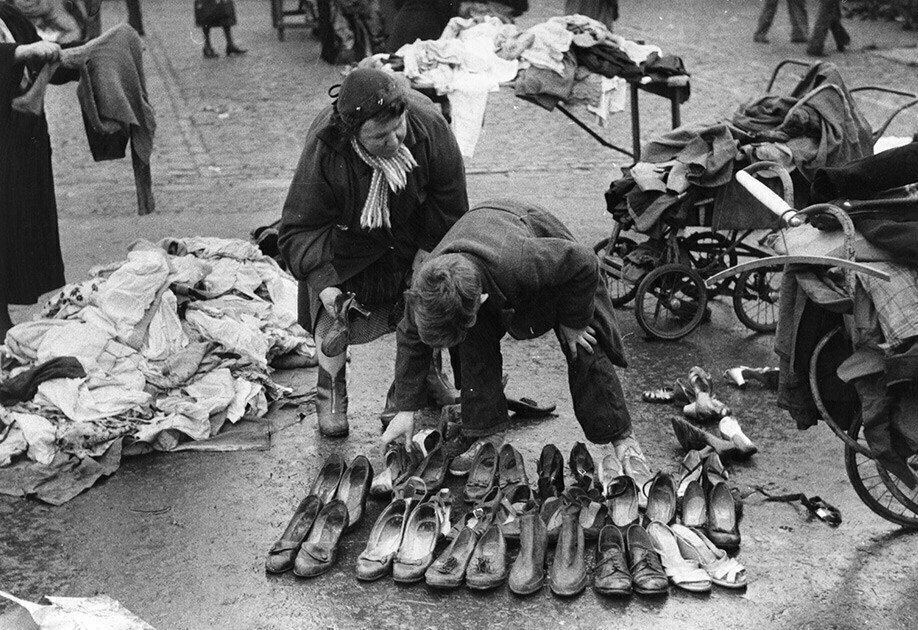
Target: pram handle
(768,198)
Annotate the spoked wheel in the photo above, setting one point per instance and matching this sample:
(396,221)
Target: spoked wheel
(611,262)
(670,301)
(756,296)
(709,253)
(880,490)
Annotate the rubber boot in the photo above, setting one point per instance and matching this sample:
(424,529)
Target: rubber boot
(331,403)
(528,573)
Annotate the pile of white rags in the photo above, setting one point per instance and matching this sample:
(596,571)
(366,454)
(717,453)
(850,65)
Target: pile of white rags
(175,342)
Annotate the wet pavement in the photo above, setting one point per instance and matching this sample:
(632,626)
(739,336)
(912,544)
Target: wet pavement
(180,538)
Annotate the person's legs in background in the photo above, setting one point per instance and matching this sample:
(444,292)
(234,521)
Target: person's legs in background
(231,47)
(209,52)
(799,21)
(828,16)
(766,17)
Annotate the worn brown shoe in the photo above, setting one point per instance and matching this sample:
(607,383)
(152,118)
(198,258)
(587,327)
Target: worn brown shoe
(331,403)
(416,551)
(325,485)
(610,573)
(354,488)
(282,554)
(448,570)
(488,565)
(511,470)
(385,538)
(482,475)
(320,549)
(347,309)
(568,574)
(528,573)
(647,574)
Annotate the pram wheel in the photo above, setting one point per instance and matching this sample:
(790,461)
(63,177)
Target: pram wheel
(611,261)
(709,253)
(671,301)
(882,492)
(756,296)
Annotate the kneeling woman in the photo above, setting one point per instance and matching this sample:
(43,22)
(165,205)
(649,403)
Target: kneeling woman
(379,183)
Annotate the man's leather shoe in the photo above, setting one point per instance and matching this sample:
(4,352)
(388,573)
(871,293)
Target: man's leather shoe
(568,570)
(353,489)
(610,573)
(320,549)
(647,574)
(385,538)
(325,485)
(482,474)
(347,308)
(448,570)
(511,470)
(528,573)
(551,472)
(331,403)
(461,464)
(282,554)
(488,566)
(416,551)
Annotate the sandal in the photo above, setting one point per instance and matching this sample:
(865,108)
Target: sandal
(722,569)
(681,571)
(662,395)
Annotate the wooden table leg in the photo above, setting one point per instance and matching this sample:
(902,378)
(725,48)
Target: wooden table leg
(635,123)
(143,182)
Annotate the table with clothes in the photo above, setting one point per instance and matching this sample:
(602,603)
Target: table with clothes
(690,169)
(569,58)
(881,317)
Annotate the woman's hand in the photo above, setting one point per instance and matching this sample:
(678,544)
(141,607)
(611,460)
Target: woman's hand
(44,52)
(328,296)
(584,338)
(402,425)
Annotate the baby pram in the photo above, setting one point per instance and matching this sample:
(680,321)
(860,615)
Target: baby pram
(847,330)
(704,222)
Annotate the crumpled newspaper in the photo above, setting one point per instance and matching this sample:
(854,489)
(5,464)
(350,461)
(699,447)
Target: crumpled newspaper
(74,613)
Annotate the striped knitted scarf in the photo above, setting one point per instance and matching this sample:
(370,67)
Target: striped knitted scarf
(393,171)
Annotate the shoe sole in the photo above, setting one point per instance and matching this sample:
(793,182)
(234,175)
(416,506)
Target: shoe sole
(612,592)
(335,434)
(486,586)
(581,586)
(459,473)
(530,591)
(644,591)
(444,585)
(326,569)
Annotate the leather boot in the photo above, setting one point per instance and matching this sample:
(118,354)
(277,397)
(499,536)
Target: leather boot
(331,403)
(528,573)
(568,571)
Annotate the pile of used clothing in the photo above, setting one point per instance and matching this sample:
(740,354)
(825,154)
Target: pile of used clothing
(565,58)
(818,125)
(879,378)
(149,353)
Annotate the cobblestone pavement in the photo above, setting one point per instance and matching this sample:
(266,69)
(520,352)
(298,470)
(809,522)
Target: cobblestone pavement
(180,538)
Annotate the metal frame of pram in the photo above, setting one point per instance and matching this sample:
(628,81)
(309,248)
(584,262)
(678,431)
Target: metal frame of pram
(671,299)
(880,490)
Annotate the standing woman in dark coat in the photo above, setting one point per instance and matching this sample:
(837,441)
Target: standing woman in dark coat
(209,14)
(30,250)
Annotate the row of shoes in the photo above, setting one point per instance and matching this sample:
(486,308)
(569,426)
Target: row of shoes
(700,406)
(334,506)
